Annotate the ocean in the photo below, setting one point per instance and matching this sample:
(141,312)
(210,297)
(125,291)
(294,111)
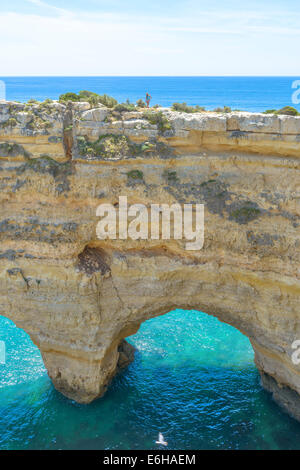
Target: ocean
(244,93)
(193,378)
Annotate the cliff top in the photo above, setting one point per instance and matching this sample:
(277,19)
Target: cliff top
(82,130)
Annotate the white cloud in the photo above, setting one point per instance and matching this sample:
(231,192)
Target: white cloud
(193,29)
(41,4)
(219,43)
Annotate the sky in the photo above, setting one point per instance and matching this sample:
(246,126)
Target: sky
(149,37)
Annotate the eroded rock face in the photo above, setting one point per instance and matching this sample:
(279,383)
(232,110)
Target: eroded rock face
(78,297)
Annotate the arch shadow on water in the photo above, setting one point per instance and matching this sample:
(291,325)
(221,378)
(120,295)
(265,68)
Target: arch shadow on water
(193,379)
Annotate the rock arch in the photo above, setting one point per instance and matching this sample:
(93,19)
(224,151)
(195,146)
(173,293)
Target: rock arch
(79,297)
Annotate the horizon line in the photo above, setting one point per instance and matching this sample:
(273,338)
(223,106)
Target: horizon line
(144,76)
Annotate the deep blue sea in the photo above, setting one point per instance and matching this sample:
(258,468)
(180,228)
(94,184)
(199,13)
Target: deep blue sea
(193,378)
(244,93)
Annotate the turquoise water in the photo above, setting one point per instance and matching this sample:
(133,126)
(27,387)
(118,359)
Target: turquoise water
(193,379)
(244,93)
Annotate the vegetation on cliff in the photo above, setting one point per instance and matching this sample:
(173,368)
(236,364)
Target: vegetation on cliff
(158,119)
(11,122)
(184,108)
(94,99)
(46,164)
(112,146)
(170,176)
(287,111)
(106,146)
(135,177)
(244,211)
(11,149)
(88,96)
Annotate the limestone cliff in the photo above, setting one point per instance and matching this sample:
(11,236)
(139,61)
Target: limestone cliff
(78,297)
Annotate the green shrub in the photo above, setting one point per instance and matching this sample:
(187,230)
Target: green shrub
(225,109)
(147,147)
(170,176)
(45,107)
(135,175)
(141,104)
(12,149)
(93,98)
(287,111)
(245,214)
(88,96)
(106,146)
(46,164)
(122,107)
(82,145)
(158,119)
(39,124)
(184,108)
(107,101)
(110,145)
(69,97)
(11,122)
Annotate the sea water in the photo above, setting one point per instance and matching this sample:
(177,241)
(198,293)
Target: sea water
(193,379)
(244,93)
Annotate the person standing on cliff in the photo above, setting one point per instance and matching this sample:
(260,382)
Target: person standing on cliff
(148,99)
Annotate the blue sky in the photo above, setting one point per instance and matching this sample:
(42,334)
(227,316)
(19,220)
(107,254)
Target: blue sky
(157,37)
